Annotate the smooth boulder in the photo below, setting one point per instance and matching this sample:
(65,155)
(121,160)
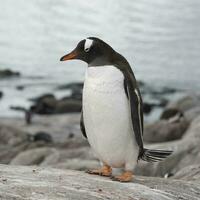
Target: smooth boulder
(165,130)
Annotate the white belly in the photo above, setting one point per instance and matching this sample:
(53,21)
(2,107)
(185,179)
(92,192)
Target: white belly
(107,117)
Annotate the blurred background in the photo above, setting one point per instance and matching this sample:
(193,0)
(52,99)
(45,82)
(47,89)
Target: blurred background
(159,38)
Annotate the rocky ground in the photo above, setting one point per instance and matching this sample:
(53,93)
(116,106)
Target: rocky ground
(56,140)
(17,182)
(65,149)
(50,137)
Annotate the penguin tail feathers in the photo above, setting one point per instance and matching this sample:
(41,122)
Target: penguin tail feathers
(155,155)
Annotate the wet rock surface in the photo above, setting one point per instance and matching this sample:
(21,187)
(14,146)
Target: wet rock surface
(7,73)
(171,112)
(1,94)
(48,104)
(41,136)
(20,87)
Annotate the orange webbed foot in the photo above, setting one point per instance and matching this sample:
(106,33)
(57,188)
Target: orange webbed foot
(125,177)
(104,171)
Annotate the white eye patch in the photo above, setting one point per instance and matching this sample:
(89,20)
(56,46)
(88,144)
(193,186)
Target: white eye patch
(88,44)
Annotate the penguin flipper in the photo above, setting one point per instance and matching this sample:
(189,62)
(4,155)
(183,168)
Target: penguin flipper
(136,108)
(135,99)
(82,125)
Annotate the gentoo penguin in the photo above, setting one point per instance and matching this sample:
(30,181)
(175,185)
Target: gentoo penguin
(112,115)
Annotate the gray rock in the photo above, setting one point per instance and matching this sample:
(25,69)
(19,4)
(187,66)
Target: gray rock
(171,112)
(15,141)
(12,142)
(72,151)
(36,156)
(186,103)
(35,183)
(58,126)
(11,136)
(20,87)
(1,94)
(186,152)
(68,105)
(147,107)
(78,164)
(165,130)
(7,73)
(189,173)
(41,136)
(48,104)
(82,152)
(192,113)
(44,104)
(43,97)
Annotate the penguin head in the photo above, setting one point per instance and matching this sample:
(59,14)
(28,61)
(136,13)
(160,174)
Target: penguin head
(93,51)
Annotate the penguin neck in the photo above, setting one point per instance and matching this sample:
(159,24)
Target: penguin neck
(100,61)
(105,73)
(106,58)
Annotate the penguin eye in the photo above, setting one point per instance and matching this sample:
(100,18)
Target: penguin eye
(87,49)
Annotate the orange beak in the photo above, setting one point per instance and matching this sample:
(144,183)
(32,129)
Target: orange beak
(69,56)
